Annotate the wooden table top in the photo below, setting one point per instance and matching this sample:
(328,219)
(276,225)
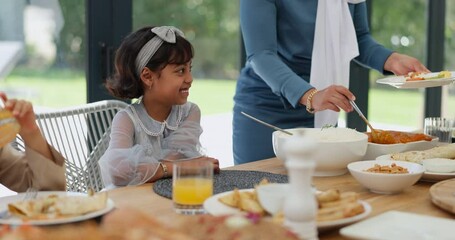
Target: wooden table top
(415,199)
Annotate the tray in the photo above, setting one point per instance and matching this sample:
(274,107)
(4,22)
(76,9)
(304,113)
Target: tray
(443,195)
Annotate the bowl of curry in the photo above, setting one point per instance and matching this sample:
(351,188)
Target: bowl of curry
(382,142)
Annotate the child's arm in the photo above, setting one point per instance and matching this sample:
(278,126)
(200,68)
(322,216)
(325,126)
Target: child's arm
(184,142)
(125,162)
(41,166)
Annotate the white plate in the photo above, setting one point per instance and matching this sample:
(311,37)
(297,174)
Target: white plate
(374,149)
(401,225)
(216,208)
(427,176)
(18,221)
(400,81)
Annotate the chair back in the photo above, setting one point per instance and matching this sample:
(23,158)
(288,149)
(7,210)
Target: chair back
(81,135)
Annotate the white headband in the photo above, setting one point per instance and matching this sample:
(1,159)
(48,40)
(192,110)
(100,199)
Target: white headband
(163,34)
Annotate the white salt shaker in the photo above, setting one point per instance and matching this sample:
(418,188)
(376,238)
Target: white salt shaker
(300,206)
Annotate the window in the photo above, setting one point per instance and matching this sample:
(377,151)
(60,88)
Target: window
(400,26)
(43,56)
(448,92)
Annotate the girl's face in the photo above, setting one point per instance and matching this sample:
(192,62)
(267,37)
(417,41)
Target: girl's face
(173,85)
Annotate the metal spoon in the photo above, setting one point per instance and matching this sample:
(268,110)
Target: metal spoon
(267,124)
(361,115)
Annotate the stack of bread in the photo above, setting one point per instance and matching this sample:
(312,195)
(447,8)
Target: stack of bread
(444,151)
(439,159)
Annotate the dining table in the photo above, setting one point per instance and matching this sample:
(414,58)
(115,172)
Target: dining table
(415,199)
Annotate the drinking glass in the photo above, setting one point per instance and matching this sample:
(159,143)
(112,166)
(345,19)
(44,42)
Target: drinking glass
(9,127)
(443,128)
(192,184)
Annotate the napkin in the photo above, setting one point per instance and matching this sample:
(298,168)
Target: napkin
(335,45)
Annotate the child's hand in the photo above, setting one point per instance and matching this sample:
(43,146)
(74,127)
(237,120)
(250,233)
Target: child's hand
(23,112)
(216,163)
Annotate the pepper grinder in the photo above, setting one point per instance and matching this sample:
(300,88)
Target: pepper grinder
(300,207)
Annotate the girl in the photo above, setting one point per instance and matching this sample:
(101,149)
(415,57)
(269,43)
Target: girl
(154,65)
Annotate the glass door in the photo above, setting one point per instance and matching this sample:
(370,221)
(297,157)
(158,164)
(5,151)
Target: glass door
(401,28)
(42,51)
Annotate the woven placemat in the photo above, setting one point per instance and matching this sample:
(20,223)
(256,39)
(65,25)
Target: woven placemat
(225,181)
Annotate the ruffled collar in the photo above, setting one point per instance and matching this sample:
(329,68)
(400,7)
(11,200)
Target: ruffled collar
(150,125)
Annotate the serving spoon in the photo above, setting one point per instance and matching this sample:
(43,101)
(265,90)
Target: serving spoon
(357,109)
(266,124)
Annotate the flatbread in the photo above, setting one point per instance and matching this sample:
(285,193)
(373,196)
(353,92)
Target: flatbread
(54,206)
(445,151)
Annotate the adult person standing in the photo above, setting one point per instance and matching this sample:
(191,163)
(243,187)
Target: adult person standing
(298,55)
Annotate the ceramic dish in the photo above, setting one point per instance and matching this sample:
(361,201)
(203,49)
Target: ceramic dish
(336,147)
(19,197)
(386,183)
(400,81)
(427,176)
(401,225)
(375,150)
(214,207)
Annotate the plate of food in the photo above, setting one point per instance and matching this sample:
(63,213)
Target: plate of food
(420,80)
(222,204)
(54,207)
(439,161)
(388,141)
(428,176)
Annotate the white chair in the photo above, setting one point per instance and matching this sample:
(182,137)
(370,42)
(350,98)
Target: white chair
(81,135)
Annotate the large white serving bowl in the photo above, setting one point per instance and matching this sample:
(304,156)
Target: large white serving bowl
(336,147)
(386,183)
(375,150)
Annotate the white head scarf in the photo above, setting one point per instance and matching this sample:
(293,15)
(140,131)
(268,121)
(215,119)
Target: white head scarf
(335,45)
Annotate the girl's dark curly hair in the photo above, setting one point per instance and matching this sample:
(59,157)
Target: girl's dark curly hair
(125,83)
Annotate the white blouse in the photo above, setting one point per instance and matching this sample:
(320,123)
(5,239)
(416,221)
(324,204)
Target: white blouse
(138,143)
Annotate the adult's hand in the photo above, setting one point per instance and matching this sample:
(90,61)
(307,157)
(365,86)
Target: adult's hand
(401,64)
(23,112)
(334,97)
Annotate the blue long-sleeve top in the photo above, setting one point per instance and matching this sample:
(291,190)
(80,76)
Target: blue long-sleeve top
(278,37)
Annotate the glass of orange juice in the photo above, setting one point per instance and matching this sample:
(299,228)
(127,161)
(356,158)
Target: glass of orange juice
(192,184)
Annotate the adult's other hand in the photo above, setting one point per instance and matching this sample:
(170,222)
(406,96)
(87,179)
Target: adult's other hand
(401,64)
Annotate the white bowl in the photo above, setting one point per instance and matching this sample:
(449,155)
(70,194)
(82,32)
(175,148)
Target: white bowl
(336,148)
(271,196)
(386,183)
(375,150)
